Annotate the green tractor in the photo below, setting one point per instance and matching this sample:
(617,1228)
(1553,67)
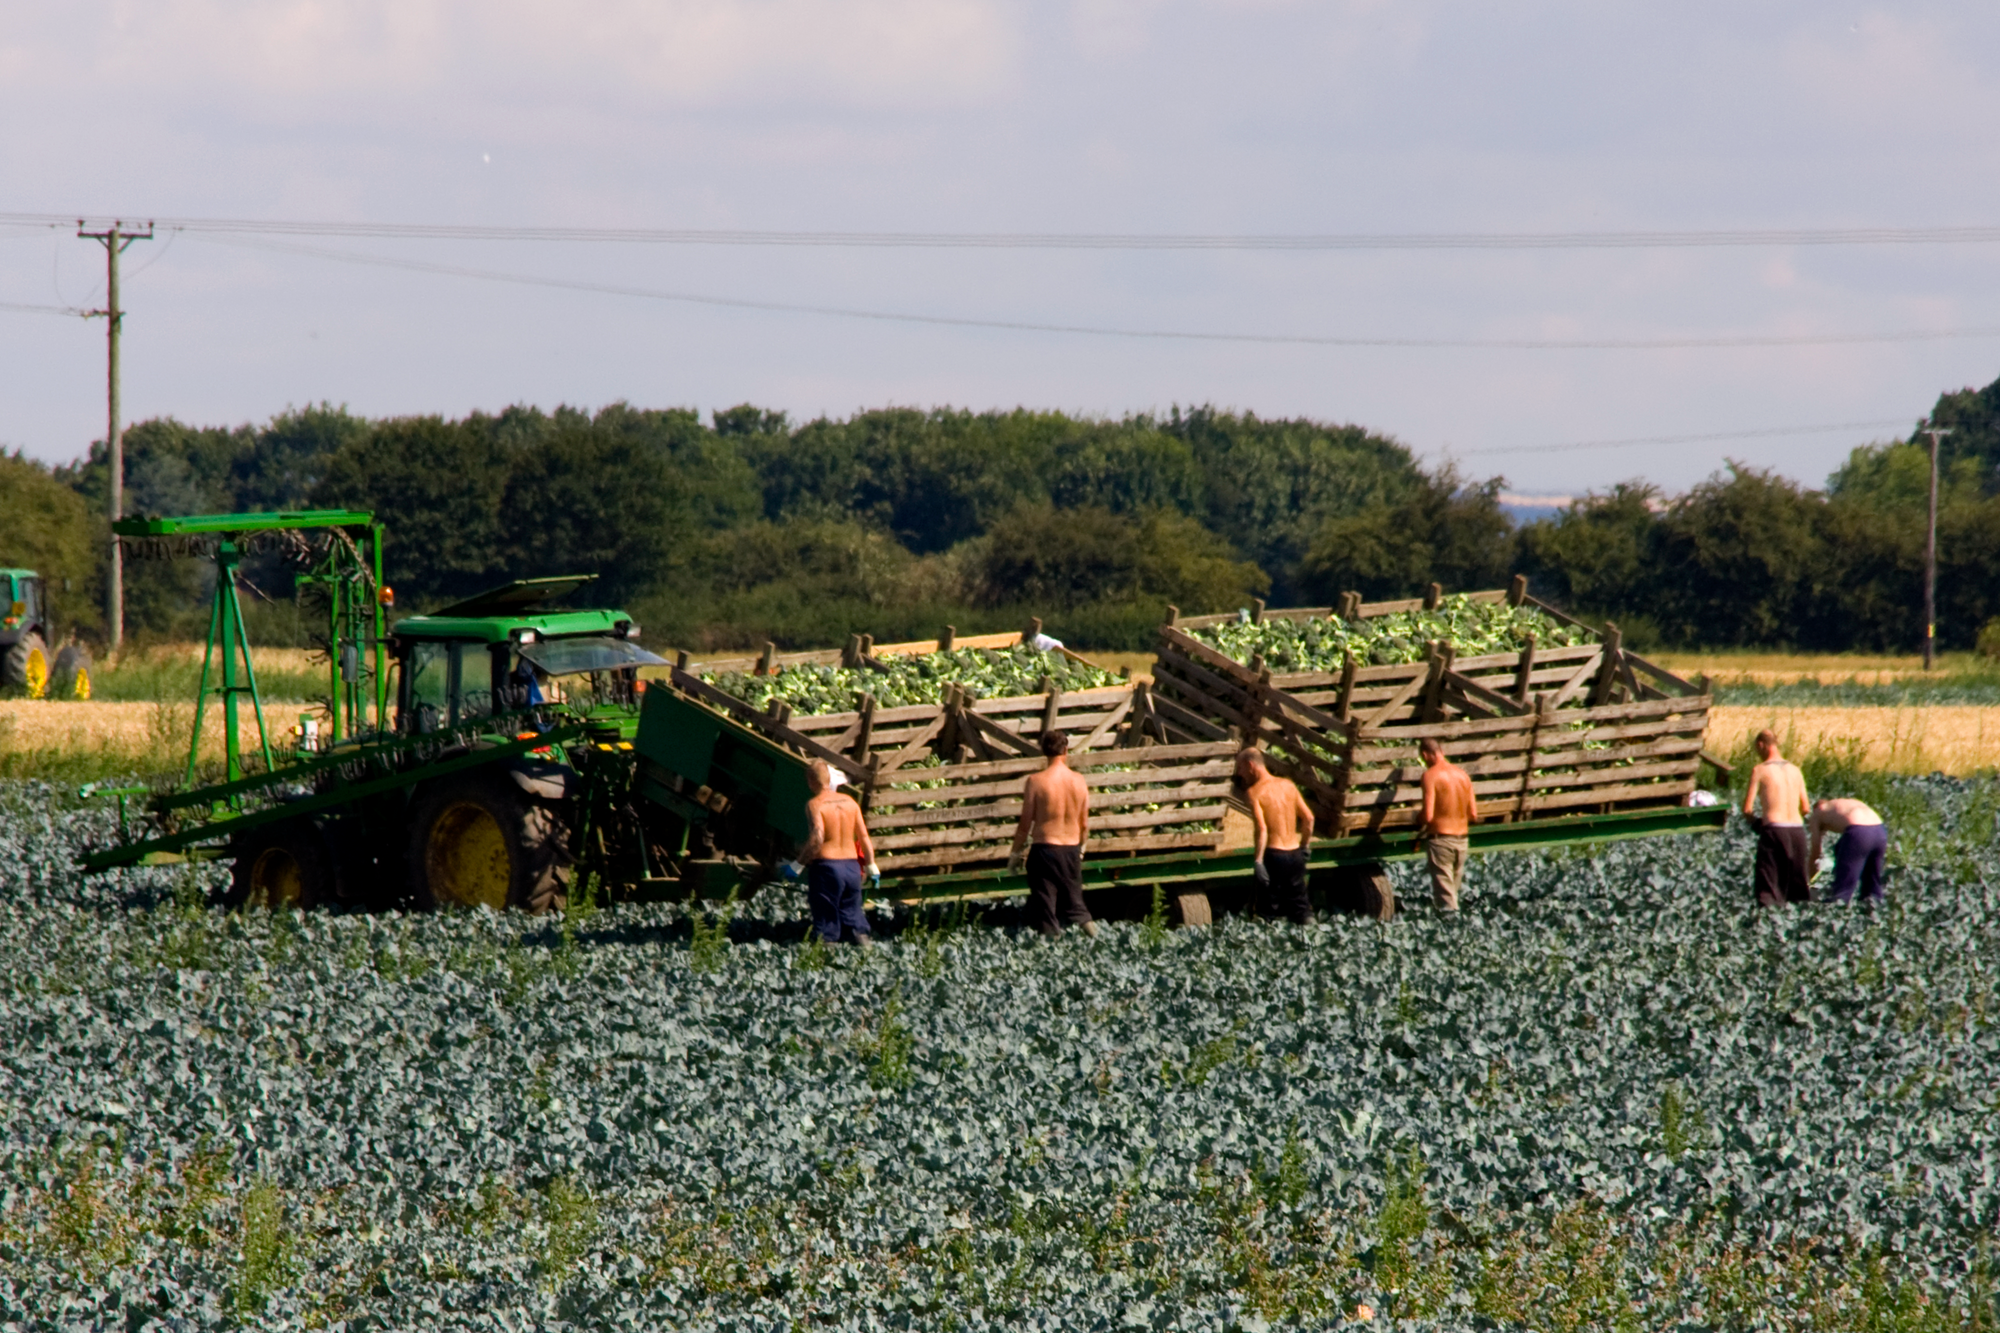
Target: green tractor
(25,635)
(488,754)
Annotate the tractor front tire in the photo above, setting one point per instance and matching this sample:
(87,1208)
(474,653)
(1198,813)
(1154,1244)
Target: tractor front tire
(70,679)
(282,866)
(480,841)
(27,665)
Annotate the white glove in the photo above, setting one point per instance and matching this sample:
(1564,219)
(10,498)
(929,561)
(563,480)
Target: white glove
(1262,872)
(1017,863)
(791,870)
(874,875)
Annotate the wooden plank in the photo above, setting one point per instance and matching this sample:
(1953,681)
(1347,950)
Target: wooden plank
(1163,758)
(997,735)
(1544,656)
(1475,690)
(1186,720)
(918,745)
(1104,729)
(1582,676)
(1149,782)
(1658,793)
(1100,696)
(999,832)
(1677,684)
(1398,700)
(1095,848)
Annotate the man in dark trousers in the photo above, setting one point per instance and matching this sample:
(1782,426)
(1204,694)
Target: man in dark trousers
(836,848)
(1859,855)
(1777,786)
(1055,814)
(1284,825)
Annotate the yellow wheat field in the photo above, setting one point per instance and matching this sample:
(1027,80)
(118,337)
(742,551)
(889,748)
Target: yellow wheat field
(1949,738)
(151,737)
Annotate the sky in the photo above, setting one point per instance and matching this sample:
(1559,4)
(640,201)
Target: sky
(1210,117)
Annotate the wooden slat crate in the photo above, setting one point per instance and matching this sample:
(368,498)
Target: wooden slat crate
(1142,799)
(942,782)
(1543,731)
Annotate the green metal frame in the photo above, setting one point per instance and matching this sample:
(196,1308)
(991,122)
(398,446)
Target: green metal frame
(1404,845)
(356,616)
(184,843)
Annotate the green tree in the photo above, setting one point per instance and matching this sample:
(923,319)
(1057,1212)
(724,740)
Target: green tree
(1038,556)
(1439,530)
(1742,557)
(50,530)
(1271,487)
(438,485)
(1600,557)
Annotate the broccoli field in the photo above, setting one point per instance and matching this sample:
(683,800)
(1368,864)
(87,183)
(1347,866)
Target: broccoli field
(1612,1096)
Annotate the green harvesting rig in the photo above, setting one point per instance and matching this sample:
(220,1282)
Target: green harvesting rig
(502,750)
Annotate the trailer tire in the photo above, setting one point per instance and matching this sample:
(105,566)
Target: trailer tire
(1193,909)
(1362,890)
(27,665)
(281,866)
(70,677)
(481,841)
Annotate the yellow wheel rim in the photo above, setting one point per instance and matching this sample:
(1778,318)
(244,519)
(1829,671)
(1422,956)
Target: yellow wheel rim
(466,858)
(275,881)
(80,687)
(36,674)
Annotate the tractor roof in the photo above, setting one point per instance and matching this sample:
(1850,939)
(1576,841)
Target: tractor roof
(495,629)
(19,573)
(499,613)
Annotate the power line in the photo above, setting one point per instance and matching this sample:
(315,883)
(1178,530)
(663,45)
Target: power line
(1106,331)
(29,309)
(1688,439)
(1720,238)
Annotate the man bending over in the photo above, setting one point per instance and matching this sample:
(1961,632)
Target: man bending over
(1858,856)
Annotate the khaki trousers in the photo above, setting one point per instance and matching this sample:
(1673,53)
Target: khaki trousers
(1446,855)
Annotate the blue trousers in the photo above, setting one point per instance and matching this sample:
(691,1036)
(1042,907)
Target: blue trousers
(833,891)
(1857,863)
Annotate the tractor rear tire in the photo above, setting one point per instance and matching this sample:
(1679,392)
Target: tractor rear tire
(27,665)
(70,678)
(282,866)
(480,841)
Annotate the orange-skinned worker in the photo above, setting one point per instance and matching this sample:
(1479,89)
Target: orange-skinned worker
(1284,825)
(1449,809)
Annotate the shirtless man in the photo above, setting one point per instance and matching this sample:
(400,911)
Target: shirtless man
(1284,826)
(836,843)
(1858,856)
(1055,813)
(1449,809)
(1777,785)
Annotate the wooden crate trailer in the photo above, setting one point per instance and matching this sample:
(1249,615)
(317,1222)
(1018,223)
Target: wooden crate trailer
(1585,729)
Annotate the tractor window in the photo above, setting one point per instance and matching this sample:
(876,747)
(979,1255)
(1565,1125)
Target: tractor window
(427,686)
(472,670)
(30,593)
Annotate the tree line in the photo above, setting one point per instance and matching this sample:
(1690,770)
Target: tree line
(747,526)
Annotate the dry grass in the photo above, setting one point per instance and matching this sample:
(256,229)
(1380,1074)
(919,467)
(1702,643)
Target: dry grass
(78,739)
(1949,738)
(1750,668)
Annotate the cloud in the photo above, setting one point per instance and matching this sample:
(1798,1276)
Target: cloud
(663,53)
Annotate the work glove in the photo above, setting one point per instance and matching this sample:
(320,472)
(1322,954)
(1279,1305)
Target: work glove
(792,871)
(874,876)
(1017,863)
(1262,872)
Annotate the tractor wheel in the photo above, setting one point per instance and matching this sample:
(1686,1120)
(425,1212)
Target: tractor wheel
(71,677)
(282,866)
(27,665)
(482,841)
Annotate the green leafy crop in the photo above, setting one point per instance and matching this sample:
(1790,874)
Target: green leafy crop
(1472,628)
(918,678)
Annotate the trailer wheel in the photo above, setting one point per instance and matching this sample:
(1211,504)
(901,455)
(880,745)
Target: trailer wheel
(1193,909)
(27,665)
(281,866)
(70,679)
(1362,890)
(481,841)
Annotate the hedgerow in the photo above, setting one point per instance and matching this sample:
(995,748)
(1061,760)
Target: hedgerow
(1613,1095)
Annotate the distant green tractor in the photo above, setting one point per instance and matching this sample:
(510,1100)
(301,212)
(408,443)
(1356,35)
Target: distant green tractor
(24,643)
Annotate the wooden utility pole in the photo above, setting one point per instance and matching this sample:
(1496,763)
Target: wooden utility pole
(1930,555)
(115,239)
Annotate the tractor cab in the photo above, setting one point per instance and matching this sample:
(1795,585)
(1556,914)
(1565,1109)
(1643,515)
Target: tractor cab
(505,650)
